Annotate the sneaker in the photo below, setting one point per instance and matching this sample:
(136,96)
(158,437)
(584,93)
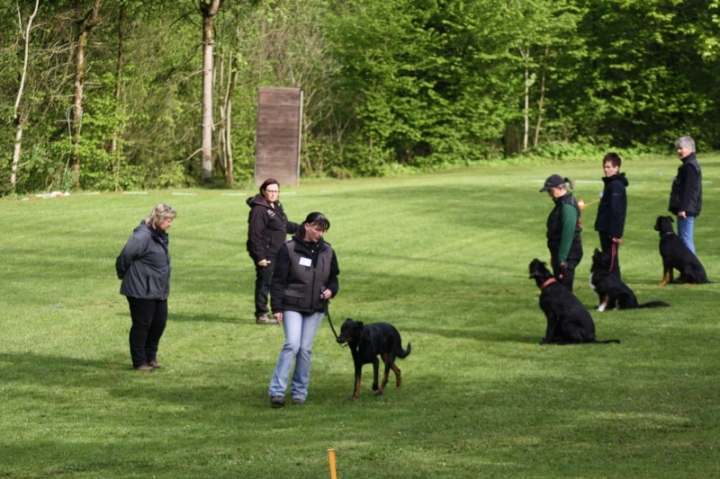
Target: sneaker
(265,319)
(298,401)
(154,364)
(144,367)
(277,401)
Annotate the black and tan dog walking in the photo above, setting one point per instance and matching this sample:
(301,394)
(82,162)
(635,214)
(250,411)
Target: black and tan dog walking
(367,342)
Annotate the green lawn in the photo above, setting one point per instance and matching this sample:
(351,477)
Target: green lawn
(443,257)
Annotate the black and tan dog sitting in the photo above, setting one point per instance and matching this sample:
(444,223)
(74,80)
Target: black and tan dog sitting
(568,320)
(366,343)
(612,292)
(676,255)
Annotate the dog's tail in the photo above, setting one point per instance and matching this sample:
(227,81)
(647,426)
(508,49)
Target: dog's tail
(654,304)
(403,354)
(607,341)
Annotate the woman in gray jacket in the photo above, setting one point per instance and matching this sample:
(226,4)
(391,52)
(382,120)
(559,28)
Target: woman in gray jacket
(144,268)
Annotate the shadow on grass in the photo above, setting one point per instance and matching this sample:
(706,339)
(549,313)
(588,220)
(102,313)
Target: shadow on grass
(490,336)
(206,317)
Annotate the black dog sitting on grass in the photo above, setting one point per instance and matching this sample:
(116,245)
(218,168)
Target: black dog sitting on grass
(676,255)
(568,320)
(366,343)
(612,292)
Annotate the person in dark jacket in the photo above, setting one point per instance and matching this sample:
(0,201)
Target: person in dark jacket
(144,267)
(610,221)
(305,279)
(268,227)
(564,226)
(686,193)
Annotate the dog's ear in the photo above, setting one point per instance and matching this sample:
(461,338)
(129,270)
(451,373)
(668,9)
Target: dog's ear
(359,324)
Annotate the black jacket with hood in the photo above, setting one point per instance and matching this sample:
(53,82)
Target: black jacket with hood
(686,193)
(613,207)
(267,228)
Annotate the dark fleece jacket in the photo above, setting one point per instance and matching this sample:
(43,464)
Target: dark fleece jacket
(613,207)
(267,228)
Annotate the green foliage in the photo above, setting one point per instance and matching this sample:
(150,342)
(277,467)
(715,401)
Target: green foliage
(389,85)
(480,397)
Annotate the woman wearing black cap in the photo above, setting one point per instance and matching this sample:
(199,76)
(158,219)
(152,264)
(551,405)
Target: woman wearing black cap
(267,229)
(564,226)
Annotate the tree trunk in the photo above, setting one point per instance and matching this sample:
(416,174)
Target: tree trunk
(16,113)
(541,101)
(525,52)
(208,10)
(118,91)
(85,24)
(228,155)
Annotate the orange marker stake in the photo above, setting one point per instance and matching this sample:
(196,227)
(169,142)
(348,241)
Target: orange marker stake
(331,460)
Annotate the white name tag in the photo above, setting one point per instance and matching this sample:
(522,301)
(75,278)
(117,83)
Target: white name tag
(305,262)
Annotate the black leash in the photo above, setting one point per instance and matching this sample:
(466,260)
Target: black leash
(327,313)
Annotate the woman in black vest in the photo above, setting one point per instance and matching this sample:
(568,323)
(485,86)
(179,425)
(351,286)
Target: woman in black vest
(564,226)
(305,278)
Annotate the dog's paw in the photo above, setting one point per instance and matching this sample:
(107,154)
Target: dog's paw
(378,392)
(375,387)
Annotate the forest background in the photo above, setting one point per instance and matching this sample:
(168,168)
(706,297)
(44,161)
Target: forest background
(132,94)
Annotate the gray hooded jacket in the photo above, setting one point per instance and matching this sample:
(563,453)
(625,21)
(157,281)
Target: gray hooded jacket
(144,264)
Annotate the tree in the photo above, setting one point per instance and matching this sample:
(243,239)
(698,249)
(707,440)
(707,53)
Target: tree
(17,114)
(85,23)
(208,10)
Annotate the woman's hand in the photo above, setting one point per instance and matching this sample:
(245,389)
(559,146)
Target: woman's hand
(326,294)
(279,317)
(263,263)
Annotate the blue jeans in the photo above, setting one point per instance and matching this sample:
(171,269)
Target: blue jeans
(300,332)
(686,226)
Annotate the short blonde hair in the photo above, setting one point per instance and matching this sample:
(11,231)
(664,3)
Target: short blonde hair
(160,213)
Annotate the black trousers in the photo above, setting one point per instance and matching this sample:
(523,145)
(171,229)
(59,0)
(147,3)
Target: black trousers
(263,278)
(611,249)
(149,317)
(567,277)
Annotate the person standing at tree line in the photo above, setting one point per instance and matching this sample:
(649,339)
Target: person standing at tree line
(144,267)
(564,226)
(268,227)
(610,220)
(686,192)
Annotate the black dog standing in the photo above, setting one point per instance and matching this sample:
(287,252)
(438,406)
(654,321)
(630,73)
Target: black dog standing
(568,321)
(366,343)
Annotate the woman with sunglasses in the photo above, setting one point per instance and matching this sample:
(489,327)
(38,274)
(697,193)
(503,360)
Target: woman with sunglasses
(305,279)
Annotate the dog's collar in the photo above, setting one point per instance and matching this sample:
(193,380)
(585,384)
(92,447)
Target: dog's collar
(668,233)
(547,283)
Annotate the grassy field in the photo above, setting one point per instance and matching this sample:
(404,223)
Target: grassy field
(444,257)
